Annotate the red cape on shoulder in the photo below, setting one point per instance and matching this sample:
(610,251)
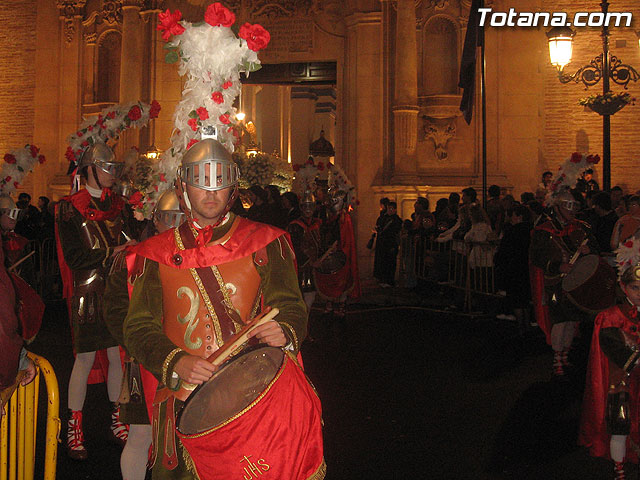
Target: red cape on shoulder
(247,238)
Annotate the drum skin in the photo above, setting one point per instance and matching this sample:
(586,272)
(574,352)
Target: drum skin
(278,435)
(590,285)
(333,263)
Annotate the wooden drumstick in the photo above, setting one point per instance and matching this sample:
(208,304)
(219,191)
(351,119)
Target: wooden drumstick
(577,254)
(329,251)
(15,265)
(221,355)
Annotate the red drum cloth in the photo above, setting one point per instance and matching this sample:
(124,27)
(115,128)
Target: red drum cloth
(278,436)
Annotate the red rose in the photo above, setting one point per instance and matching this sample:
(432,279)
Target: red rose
(111,114)
(154,109)
(595,159)
(217,97)
(296,167)
(202,112)
(217,15)
(256,36)
(7,178)
(163,178)
(9,158)
(227,84)
(79,133)
(135,199)
(155,187)
(628,244)
(224,118)
(169,24)
(310,161)
(192,142)
(576,157)
(70,155)
(85,144)
(320,166)
(16,184)
(193,123)
(34,150)
(90,128)
(135,113)
(41,159)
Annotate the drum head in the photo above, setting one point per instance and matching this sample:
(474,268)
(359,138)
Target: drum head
(583,269)
(333,263)
(237,383)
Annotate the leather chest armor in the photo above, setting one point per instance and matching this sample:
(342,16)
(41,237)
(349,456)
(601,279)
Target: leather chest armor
(89,284)
(188,317)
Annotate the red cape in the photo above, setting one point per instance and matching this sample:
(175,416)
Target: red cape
(248,237)
(541,311)
(593,429)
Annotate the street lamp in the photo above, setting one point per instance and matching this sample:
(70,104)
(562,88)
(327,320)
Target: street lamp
(604,67)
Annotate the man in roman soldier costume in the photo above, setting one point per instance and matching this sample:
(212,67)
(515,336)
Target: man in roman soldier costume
(609,424)
(92,225)
(336,271)
(12,243)
(556,244)
(138,385)
(195,288)
(305,237)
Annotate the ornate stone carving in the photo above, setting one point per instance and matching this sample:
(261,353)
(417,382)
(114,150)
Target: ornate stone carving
(438,4)
(69,10)
(112,10)
(284,8)
(440,131)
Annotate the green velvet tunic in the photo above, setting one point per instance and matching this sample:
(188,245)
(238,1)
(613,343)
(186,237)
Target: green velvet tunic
(147,343)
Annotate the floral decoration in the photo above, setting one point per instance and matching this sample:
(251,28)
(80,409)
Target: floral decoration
(338,180)
(628,255)
(147,181)
(570,171)
(16,165)
(607,103)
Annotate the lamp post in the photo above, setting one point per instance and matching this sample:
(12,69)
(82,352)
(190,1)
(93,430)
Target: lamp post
(604,67)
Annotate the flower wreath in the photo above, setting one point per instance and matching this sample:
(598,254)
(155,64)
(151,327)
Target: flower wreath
(305,176)
(108,125)
(212,57)
(628,255)
(570,171)
(17,164)
(148,182)
(338,180)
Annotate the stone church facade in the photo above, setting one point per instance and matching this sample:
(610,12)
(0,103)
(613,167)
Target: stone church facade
(379,77)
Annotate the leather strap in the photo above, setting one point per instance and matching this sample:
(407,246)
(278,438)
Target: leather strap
(170,455)
(226,316)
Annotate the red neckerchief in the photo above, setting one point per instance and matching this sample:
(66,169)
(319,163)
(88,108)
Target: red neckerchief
(82,202)
(549,226)
(14,242)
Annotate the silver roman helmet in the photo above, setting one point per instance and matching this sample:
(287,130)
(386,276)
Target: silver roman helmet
(8,207)
(208,165)
(100,155)
(168,210)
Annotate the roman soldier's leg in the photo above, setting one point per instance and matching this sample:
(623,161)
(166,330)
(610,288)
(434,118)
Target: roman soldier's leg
(618,449)
(114,383)
(77,393)
(309,298)
(133,461)
(557,344)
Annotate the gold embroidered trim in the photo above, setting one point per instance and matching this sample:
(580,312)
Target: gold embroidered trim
(320,473)
(167,361)
(225,294)
(203,293)
(188,461)
(293,334)
(248,407)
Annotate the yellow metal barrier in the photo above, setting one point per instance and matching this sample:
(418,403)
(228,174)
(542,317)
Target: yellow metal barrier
(18,427)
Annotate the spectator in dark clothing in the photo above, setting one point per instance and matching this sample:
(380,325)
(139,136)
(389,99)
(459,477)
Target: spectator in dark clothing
(450,215)
(259,210)
(291,206)
(605,221)
(469,196)
(526,197)
(495,210)
(387,245)
(29,218)
(512,261)
(46,223)
(441,215)
(277,213)
(377,262)
(616,201)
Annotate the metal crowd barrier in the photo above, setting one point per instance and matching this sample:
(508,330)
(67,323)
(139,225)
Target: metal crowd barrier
(448,263)
(18,428)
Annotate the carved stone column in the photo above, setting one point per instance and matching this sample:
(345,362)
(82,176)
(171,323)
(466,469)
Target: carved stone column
(131,60)
(405,108)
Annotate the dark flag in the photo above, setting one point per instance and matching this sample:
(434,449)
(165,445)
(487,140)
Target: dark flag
(472,40)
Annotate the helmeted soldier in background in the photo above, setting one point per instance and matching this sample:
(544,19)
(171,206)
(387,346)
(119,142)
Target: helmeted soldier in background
(92,225)
(138,386)
(305,237)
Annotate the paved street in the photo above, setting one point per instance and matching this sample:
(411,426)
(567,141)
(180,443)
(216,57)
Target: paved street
(408,391)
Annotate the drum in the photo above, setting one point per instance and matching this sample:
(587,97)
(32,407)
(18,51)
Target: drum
(590,285)
(333,263)
(257,415)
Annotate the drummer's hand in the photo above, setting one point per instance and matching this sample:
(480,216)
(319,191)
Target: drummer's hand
(192,369)
(270,333)
(565,267)
(584,250)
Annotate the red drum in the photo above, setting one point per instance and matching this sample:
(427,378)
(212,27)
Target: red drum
(256,417)
(591,284)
